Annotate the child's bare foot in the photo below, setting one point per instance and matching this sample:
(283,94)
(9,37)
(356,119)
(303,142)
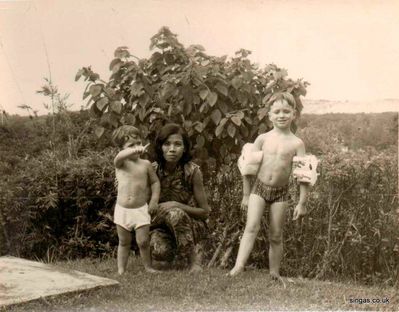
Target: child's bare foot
(195,268)
(152,271)
(235,271)
(277,278)
(121,271)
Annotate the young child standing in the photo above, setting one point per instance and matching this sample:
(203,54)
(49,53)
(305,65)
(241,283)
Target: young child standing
(137,183)
(270,188)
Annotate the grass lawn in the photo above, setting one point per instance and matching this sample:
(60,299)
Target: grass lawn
(210,290)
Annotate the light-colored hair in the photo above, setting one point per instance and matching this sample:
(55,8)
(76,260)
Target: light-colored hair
(285,96)
(121,135)
(290,99)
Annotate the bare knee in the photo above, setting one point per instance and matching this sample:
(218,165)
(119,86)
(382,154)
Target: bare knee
(252,229)
(125,241)
(276,238)
(143,242)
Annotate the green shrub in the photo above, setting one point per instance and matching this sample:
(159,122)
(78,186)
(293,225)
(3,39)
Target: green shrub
(351,230)
(63,209)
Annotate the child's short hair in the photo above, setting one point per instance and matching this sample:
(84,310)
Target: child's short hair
(291,100)
(121,135)
(288,97)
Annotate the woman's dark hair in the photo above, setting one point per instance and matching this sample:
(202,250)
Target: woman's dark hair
(163,134)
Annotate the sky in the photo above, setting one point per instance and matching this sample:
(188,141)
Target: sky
(347,50)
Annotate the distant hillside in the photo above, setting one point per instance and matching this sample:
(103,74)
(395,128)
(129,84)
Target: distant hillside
(327,106)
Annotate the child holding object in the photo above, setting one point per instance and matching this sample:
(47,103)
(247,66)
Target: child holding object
(273,151)
(137,183)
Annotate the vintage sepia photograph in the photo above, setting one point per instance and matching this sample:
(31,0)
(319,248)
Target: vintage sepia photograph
(186,155)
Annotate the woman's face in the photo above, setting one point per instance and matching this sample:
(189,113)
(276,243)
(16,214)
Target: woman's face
(173,148)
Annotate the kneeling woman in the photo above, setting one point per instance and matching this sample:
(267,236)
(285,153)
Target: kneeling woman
(178,224)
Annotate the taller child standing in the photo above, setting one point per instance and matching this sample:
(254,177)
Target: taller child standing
(279,146)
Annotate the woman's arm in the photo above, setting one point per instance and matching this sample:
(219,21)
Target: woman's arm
(155,187)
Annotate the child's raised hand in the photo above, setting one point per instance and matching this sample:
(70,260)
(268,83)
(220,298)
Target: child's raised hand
(299,212)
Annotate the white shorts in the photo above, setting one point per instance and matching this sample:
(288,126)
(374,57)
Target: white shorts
(131,218)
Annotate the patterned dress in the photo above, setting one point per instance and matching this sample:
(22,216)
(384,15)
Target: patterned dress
(174,234)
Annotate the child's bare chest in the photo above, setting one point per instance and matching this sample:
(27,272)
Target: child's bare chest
(131,170)
(279,148)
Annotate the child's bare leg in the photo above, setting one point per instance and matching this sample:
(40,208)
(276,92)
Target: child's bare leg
(143,242)
(125,240)
(277,218)
(256,206)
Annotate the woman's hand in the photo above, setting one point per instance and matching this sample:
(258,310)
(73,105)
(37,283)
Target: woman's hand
(152,207)
(194,212)
(170,204)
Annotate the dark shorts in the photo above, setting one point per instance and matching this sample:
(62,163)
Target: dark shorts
(271,194)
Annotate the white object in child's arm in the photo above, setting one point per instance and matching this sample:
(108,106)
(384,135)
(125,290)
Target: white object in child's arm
(250,159)
(140,148)
(305,170)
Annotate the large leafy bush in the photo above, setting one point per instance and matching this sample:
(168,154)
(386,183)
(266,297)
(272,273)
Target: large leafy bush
(219,101)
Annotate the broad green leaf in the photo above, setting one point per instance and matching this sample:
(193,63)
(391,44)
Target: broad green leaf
(236,82)
(242,98)
(203,93)
(94,76)
(94,111)
(95,89)
(187,108)
(231,130)
(121,52)
(102,103)
(199,126)
(79,74)
(116,106)
(167,90)
(216,116)
(266,98)
(249,120)
(203,107)
(113,63)
(223,107)
(223,121)
(219,129)
(200,141)
(212,98)
(240,114)
(170,110)
(222,89)
(247,75)
(236,120)
(99,131)
(169,59)
(136,88)
(262,113)
(223,150)
(244,131)
(262,128)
